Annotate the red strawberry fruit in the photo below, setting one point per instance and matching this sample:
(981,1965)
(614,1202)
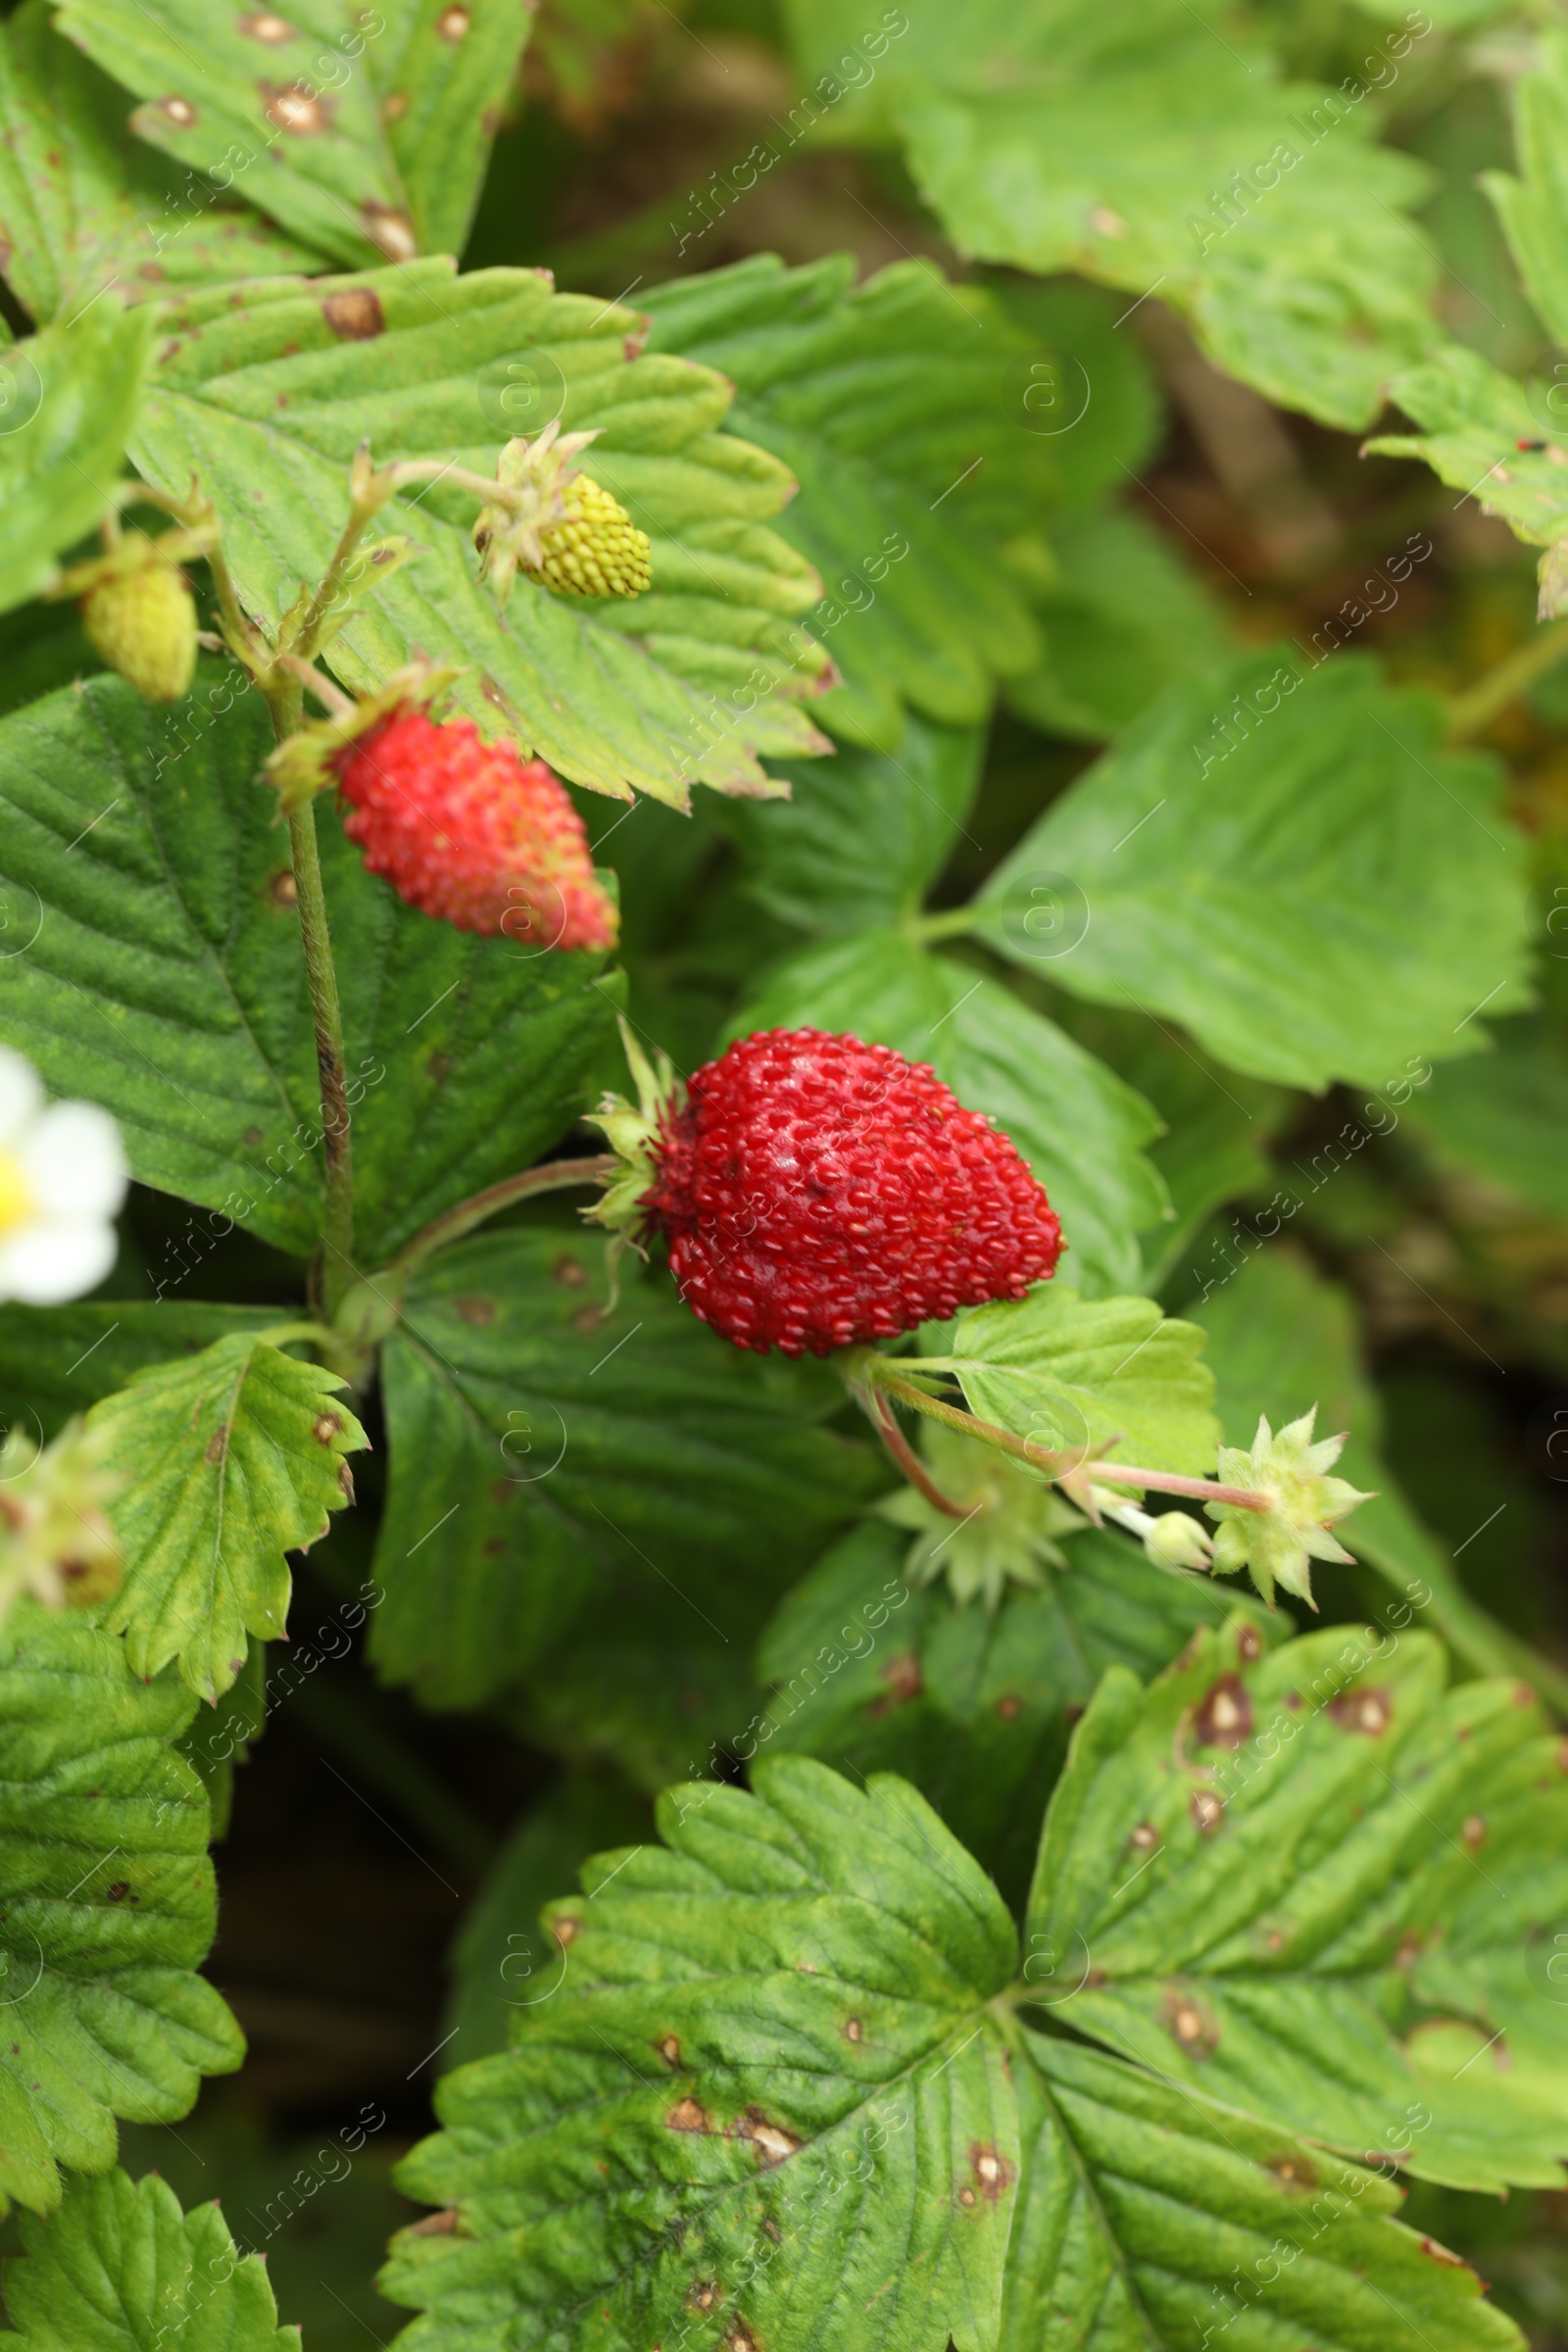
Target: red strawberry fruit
(815,1192)
(468,832)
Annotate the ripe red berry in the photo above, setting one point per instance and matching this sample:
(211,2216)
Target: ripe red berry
(468,832)
(815,1192)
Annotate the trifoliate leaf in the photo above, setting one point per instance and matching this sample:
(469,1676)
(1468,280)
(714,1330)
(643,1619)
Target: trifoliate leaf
(974,1708)
(1076,1375)
(1079,1127)
(120,2267)
(107,1905)
(69,401)
(1155,154)
(882,401)
(806,2112)
(1007,1528)
(1234,863)
(545,1453)
(1239,1866)
(164,980)
(84,207)
(1280,1543)
(230,1458)
(266,396)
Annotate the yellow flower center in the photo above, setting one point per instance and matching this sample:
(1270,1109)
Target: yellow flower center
(16,1202)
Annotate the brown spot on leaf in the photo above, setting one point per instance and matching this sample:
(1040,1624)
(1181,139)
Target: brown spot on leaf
(118,1891)
(1523,1695)
(991,2172)
(439,1067)
(178,111)
(669,2050)
(391,230)
(903,1677)
(569,1273)
(1436,2253)
(702,2295)
(1293,1699)
(1368,1711)
(1294,2171)
(1224,1717)
(295,108)
(565,1931)
(688,2115)
(1473,1832)
(1249,1645)
(253,1134)
(396,107)
(774,2141)
(1207,1810)
(741,2340)
(966,2197)
(283,890)
(437,2224)
(589,1318)
(1144,1837)
(218,1442)
(354,314)
(474,1310)
(326,1427)
(1190,2025)
(853,2031)
(452,23)
(770,2228)
(345,1482)
(1008,1705)
(262,25)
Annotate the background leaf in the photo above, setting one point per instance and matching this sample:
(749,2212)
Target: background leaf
(543,1452)
(230,1459)
(164,980)
(1331,893)
(70,399)
(107,1905)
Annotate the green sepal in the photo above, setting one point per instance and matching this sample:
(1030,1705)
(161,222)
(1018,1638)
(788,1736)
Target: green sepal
(1280,1544)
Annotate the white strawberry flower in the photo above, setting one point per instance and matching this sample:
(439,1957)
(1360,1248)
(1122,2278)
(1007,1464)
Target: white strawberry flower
(62,1177)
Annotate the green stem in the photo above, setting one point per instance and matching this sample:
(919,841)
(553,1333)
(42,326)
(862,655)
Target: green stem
(337,1212)
(1058,1465)
(950,923)
(1470,713)
(555,1176)
(881,1417)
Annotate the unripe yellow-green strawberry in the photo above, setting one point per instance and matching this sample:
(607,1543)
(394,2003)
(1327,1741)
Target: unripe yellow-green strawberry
(144,623)
(595,549)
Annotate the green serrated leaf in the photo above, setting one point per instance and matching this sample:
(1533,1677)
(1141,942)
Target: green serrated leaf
(781,2135)
(862,835)
(57,1361)
(1294,866)
(289,118)
(543,1451)
(230,1458)
(442,75)
(120,2267)
(883,401)
(107,1906)
(1502,1115)
(1534,208)
(165,980)
(971,1706)
(1149,2218)
(1077,1375)
(265,395)
(1241,1863)
(1479,433)
(1080,1128)
(1155,155)
(84,207)
(69,401)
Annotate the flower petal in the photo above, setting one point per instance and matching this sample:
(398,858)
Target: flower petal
(75,1163)
(42,1265)
(20,1095)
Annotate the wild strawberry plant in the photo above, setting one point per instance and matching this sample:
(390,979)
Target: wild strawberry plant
(728,954)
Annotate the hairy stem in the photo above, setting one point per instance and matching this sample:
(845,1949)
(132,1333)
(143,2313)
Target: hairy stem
(1470,713)
(880,1415)
(1058,1465)
(555,1176)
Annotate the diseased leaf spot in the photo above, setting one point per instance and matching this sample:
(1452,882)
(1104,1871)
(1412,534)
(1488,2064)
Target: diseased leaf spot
(178,111)
(1224,1717)
(118,1890)
(1439,2253)
(853,2031)
(1249,1645)
(262,25)
(904,1681)
(1191,2028)
(218,1442)
(1369,1711)
(1208,1811)
(437,2224)
(283,890)
(326,1427)
(564,1930)
(294,109)
(452,23)
(1473,1832)
(741,2340)
(569,1272)
(1294,2172)
(473,1310)
(354,314)
(993,2173)
(669,2050)
(702,2295)
(688,2115)
(1008,1705)
(396,107)
(1144,1837)
(391,230)
(773,2140)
